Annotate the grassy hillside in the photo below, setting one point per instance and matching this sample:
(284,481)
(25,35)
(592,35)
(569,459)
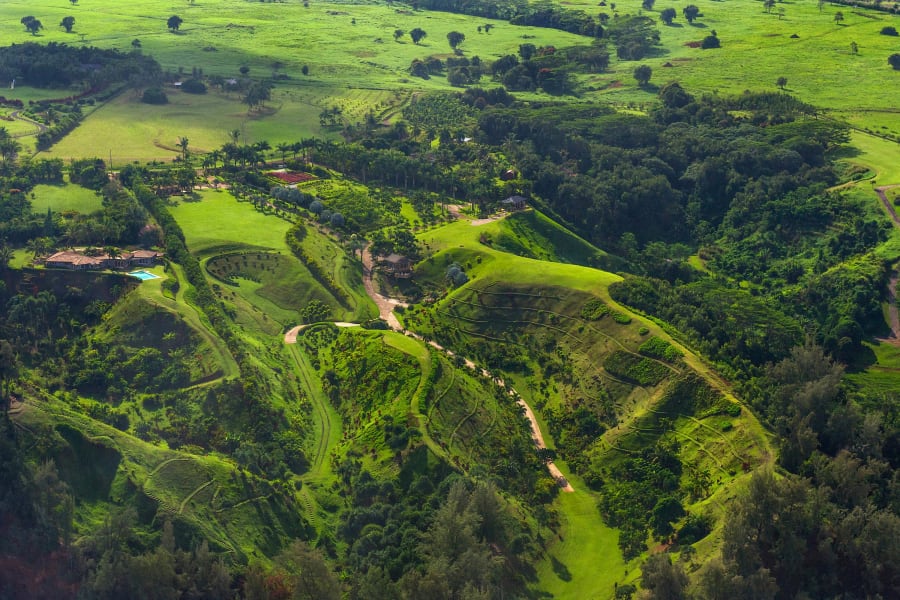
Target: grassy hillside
(367,70)
(258,271)
(607,383)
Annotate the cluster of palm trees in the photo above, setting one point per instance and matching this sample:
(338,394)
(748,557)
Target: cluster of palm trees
(235,154)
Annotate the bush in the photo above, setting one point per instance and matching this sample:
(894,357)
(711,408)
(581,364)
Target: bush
(709,42)
(594,310)
(193,86)
(894,61)
(154,95)
(655,347)
(889,30)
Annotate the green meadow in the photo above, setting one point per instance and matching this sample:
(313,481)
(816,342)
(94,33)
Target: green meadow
(214,221)
(354,63)
(66,197)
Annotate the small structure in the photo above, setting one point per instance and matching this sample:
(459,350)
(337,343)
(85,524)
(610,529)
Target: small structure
(508,175)
(514,203)
(79,261)
(397,265)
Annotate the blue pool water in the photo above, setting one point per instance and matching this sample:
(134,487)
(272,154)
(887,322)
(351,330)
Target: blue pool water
(143,275)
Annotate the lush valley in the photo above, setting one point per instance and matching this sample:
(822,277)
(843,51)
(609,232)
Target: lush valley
(519,299)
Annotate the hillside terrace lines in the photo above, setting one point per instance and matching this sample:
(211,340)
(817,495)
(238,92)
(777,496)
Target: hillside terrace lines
(536,434)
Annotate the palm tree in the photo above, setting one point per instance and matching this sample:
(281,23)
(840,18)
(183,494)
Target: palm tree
(39,246)
(183,144)
(234,134)
(283,148)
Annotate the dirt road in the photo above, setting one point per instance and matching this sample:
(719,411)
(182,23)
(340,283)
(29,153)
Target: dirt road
(386,312)
(894,314)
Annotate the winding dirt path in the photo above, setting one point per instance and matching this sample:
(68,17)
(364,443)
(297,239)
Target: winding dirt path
(385,305)
(893,313)
(40,126)
(386,312)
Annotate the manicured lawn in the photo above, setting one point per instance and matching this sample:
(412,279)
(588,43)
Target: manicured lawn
(879,155)
(459,241)
(218,222)
(66,197)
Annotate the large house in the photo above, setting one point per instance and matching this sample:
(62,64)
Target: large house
(397,265)
(79,261)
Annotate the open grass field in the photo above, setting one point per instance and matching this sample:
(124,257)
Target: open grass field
(459,242)
(353,63)
(758,48)
(583,561)
(216,222)
(364,69)
(67,197)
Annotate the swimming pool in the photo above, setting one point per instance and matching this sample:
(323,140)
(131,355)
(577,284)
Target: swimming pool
(144,275)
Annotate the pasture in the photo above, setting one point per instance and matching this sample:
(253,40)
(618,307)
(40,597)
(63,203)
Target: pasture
(64,198)
(216,222)
(353,63)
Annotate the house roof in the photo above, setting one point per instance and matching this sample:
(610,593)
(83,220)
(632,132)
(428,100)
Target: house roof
(74,258)
(515,200)
(146,254)
(395,259)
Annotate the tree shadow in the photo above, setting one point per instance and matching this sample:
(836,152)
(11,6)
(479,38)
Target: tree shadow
(843,152)
(699,25)
(863,358)
(561,570)
(675,25)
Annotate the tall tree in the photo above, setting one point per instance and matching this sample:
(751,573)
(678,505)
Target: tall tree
(174,22)
(690,12)
(642,74)
(417,35)
(455,38)
(667,15)
(67,23)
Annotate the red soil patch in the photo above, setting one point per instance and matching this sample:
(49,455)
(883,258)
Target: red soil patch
(614,84)
(692,44)
(290,177)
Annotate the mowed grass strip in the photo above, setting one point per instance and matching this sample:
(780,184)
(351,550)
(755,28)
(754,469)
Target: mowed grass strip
(217,222)
(65,197)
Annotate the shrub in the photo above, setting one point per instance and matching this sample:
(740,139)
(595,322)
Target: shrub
(889,30)
(894,61)
(710,41)
(620,318)
(193,86)
(633,368)
(655,347)
(594,310)
(154,95)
